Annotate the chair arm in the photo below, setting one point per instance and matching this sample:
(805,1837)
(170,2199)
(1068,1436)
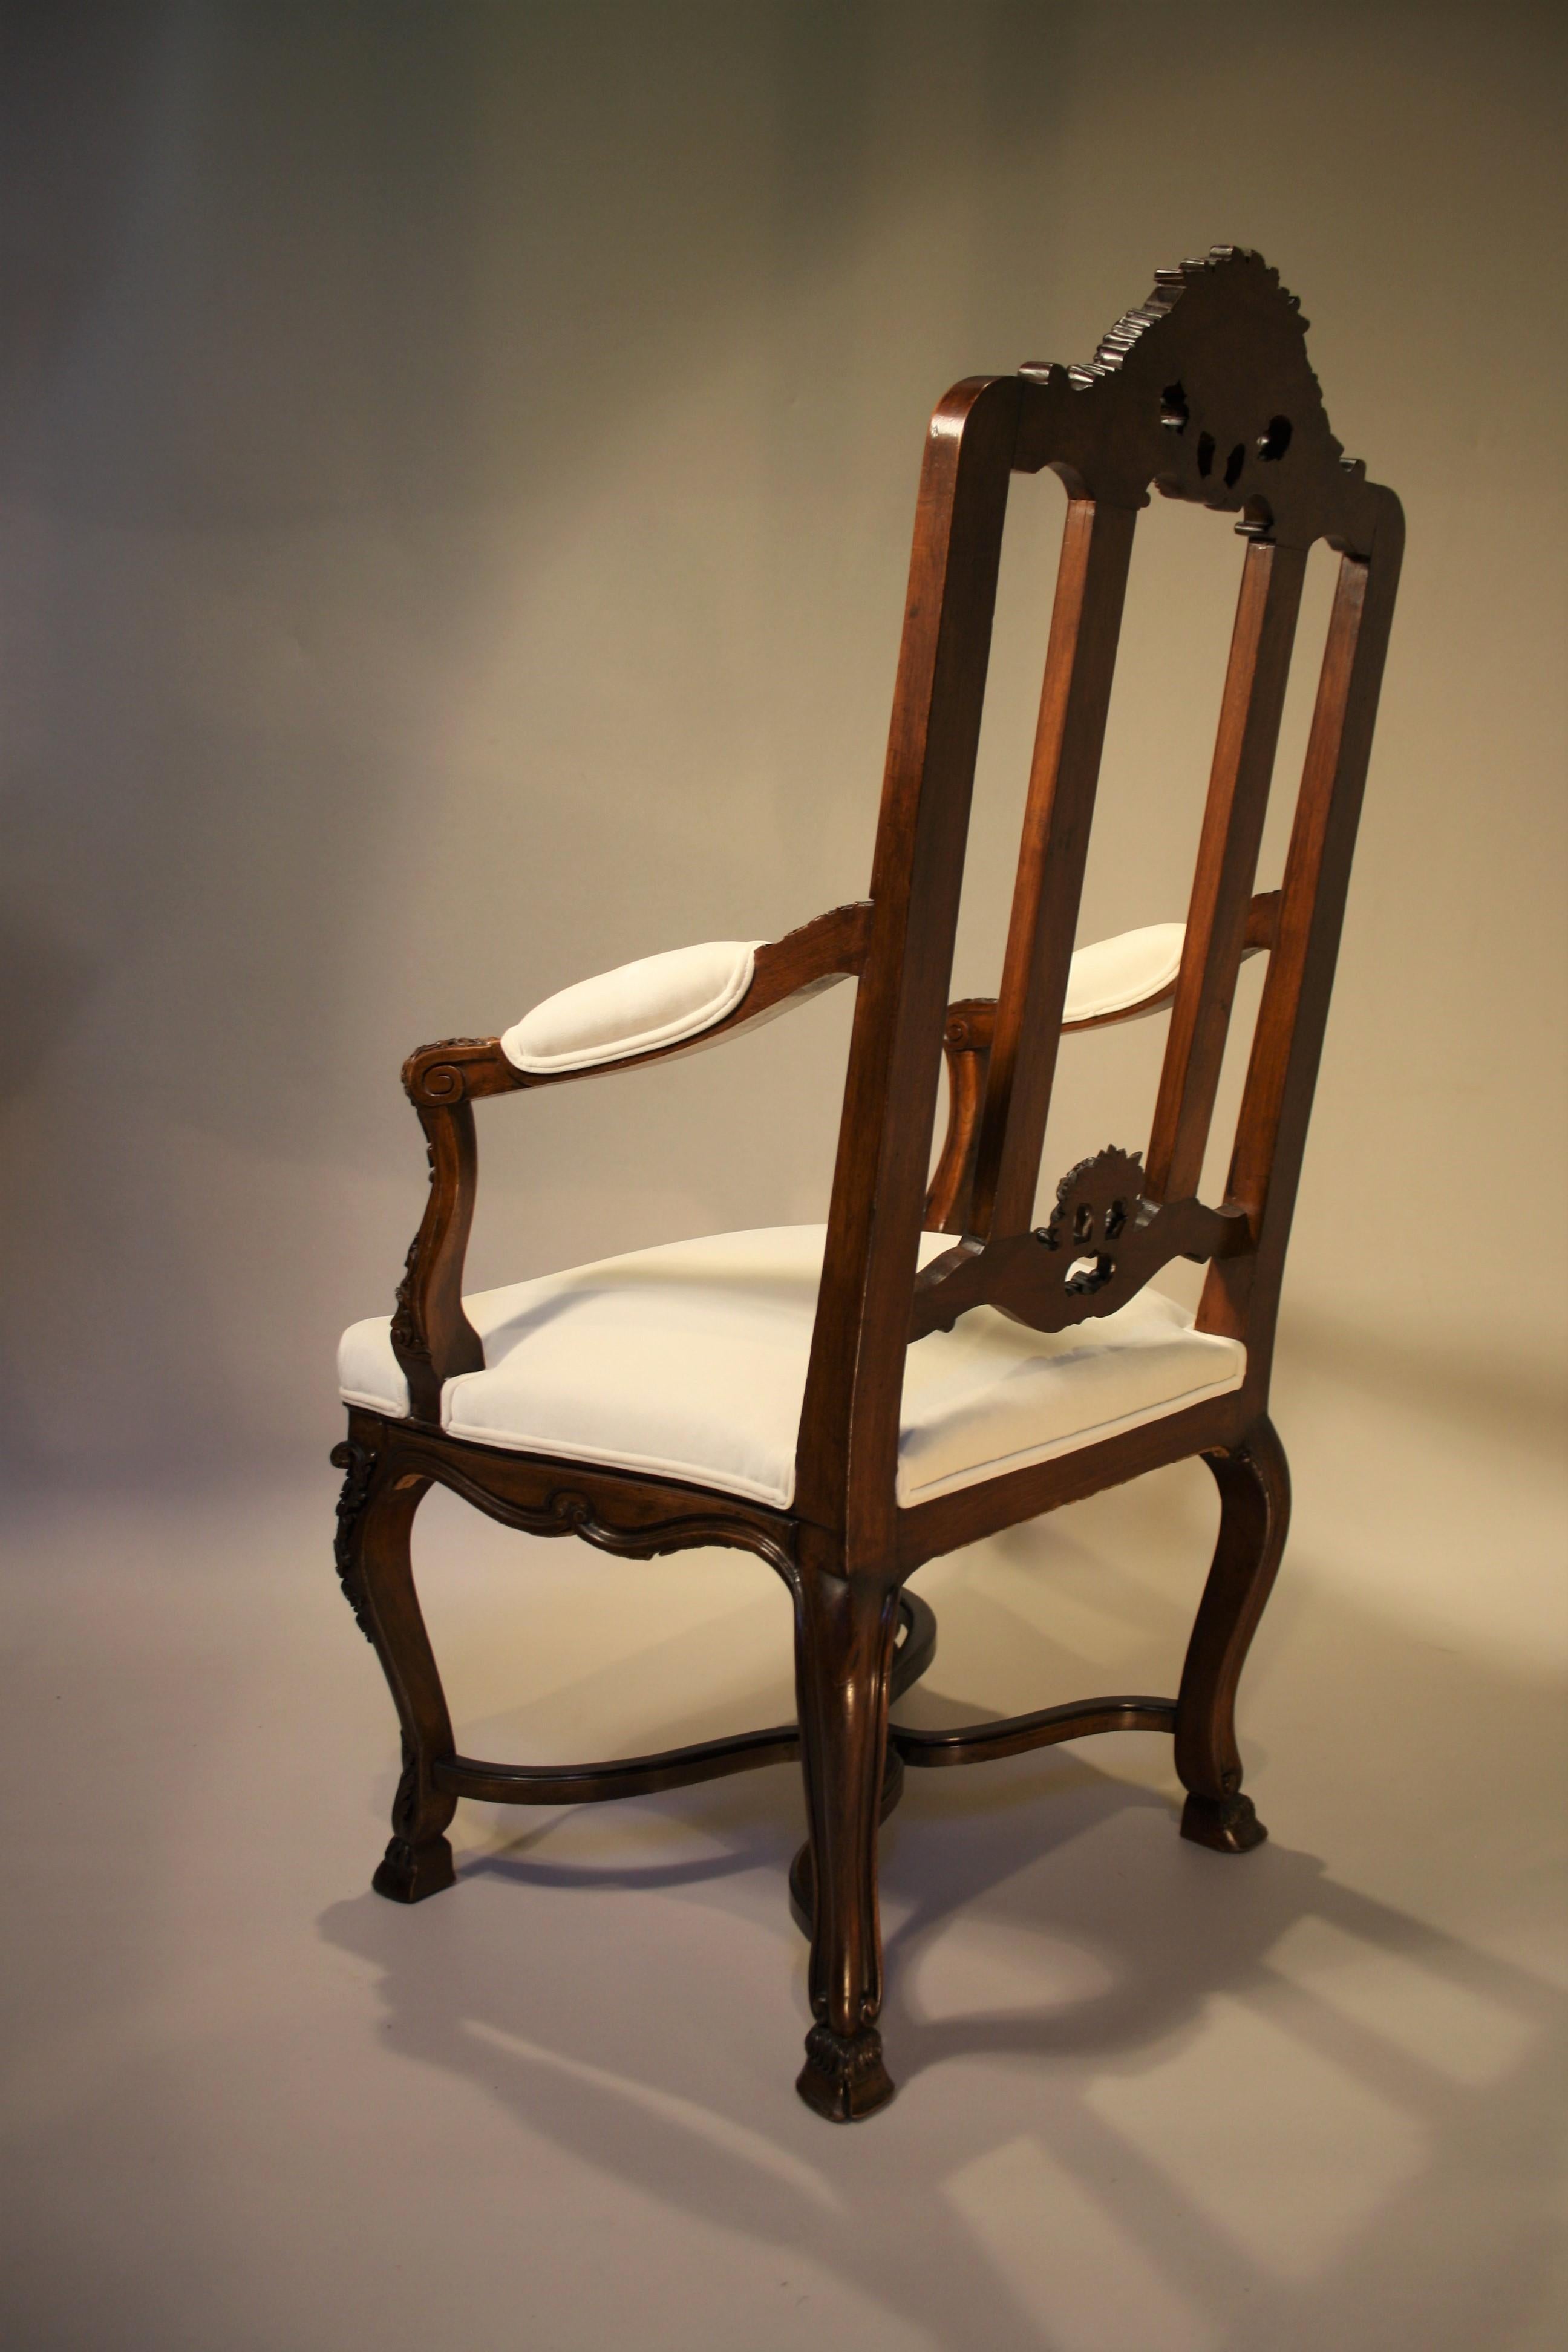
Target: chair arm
(784,973)
(1135,974)
(431,1335)
(1123,979)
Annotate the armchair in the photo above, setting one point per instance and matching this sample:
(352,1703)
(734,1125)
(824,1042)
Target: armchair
(848,1401)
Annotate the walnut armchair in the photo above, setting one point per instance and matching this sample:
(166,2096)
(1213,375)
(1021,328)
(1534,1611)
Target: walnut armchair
(846,1402)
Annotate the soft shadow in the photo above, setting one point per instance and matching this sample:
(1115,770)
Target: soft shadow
(651,2061)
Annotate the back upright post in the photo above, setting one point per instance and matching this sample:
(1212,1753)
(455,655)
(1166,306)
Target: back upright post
(850,1422)
(1241,1296)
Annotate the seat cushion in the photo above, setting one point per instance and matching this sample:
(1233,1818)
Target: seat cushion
(688,1361)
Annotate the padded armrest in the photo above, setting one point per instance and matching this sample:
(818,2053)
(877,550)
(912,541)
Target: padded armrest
(662,1000)
(1136,973)
(1113,975)
(659,1001)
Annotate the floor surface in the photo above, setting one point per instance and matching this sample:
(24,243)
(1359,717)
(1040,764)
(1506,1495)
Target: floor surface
(1149,2097)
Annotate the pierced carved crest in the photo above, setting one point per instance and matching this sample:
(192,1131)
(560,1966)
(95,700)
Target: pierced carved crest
(1209,396)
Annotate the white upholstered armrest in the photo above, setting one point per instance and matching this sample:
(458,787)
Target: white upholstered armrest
(662,1000)
(1113,975)
(659,1001)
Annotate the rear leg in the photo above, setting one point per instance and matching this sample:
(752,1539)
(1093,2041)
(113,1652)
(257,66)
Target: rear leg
(1254,1482)
(844,1630)
(913,1655)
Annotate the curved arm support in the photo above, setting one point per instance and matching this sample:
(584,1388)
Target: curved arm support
(431,1336)
(966,1042)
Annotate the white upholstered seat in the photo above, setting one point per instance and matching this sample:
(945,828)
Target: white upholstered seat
(688,1361)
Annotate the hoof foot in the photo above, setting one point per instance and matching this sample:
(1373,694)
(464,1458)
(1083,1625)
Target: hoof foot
(844,2080)
(1228,1824)
(407,1873)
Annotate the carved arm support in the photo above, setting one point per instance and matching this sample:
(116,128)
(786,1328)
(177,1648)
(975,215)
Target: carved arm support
(966,1042)
(431,1336)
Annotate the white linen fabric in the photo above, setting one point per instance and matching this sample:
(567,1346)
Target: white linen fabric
(663,998)
(1114,973)
(688,1361)
(656,1002)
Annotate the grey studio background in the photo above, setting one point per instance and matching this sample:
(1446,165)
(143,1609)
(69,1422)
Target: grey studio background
(457,468)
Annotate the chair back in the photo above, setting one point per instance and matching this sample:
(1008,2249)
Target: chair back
(1205,393)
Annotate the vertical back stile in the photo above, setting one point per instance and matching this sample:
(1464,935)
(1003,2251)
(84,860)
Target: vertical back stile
(855,1379)
(1241,1294)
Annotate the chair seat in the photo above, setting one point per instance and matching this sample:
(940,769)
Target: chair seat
(688,1361)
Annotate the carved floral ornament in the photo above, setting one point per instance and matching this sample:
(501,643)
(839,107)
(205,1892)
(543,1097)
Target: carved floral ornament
(1103,1242)
(357,1463)
(1096,1202)
(1213,400)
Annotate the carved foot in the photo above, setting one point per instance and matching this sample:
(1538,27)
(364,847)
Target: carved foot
(844,2080)
(1229,1825)
(407,1873)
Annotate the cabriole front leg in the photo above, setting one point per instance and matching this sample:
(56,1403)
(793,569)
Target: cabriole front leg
(375,1519)
(1254,1482)
(845,1632)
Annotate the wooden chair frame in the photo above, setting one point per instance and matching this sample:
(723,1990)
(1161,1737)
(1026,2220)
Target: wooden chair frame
(1206,393)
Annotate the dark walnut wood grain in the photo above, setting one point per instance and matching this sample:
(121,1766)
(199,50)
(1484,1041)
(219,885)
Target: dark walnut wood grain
(1103,1242)
(1203,393)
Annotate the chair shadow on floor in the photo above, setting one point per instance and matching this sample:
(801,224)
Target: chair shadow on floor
(651,2053)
